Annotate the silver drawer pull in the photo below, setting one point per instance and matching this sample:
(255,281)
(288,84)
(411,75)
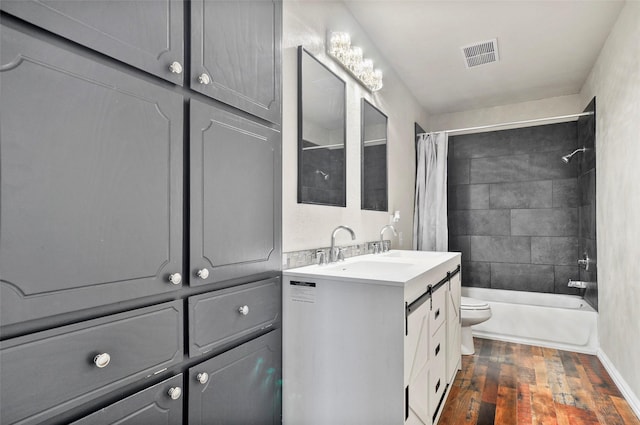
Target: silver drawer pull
(175,278)
(175,67)
(203,273)
(204,79)
(244,310)
(202,377)
(102,360)
(175,393)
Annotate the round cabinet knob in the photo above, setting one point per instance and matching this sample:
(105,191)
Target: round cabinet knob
(102,360)
(175,393)
(175,278)
(175,68)
(202,377)
(203,273)
(244,310)
(204,79)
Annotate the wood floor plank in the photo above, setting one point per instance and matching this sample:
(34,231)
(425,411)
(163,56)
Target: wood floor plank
(625,411)
(506,412)
(542,407)
(515,384)
(523,403)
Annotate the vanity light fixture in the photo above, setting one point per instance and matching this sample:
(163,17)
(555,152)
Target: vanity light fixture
(350,57)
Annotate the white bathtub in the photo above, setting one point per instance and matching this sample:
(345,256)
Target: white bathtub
(565,322)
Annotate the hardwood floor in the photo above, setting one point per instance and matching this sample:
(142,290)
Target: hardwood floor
(509,384)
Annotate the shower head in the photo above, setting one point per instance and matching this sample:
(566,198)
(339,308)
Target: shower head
(323,174)
(567,158)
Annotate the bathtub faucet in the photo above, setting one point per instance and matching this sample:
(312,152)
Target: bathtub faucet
(580,284)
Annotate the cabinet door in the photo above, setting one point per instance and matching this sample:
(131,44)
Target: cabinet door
(453,328)
(91,182)
(145,34)
(241,386)
(235,53)
(417,350)
(235,196)
(160,404)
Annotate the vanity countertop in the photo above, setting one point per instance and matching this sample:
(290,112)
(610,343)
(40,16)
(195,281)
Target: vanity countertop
(396,267)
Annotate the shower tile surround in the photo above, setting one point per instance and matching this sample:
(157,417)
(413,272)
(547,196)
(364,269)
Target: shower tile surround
(515,209)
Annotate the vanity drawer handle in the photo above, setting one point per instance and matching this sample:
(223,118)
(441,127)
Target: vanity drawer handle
(202,377)
(437,313)
(437,349)
(174,393)
(102,360)
(438,385)
(175,67)
(175,278)
(203,273)
(244,310)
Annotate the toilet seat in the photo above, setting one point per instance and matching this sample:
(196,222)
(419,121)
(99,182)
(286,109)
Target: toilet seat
(467,303)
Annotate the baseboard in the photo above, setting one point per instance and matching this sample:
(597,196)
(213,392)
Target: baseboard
(622,385)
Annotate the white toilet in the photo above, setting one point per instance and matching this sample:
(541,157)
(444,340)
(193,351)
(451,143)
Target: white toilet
(472,312)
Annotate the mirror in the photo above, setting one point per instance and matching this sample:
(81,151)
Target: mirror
(321,133)
(374,158)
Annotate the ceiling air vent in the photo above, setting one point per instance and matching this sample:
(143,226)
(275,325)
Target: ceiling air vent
(480,53)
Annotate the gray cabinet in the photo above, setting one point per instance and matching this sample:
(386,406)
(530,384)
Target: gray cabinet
(236,54)
(239,387)
(160,404)
(235,202)
(91,171)
(145,34)
(45,373)
(220,317)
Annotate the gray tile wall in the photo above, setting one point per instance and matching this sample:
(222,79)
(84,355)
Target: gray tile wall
(515,209)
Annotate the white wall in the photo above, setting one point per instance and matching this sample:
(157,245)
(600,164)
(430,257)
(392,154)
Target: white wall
(308,226)
(615,81)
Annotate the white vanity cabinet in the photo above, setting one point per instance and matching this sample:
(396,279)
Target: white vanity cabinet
(370,340)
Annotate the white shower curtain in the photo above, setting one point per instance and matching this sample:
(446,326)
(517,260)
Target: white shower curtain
(430,231)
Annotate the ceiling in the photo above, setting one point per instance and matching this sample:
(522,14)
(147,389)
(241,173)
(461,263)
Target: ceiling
(546,48)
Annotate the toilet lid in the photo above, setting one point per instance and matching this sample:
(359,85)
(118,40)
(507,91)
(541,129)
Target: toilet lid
(473,304)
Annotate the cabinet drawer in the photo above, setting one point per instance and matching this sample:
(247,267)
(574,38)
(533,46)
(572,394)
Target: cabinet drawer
(438,309)
(437,370)
(159,404)
(216,318)
(60,368)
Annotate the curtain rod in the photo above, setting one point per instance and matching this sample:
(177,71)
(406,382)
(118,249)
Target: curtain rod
(481,127)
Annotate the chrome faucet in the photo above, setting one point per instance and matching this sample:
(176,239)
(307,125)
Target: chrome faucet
(383,247)
(333,253)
